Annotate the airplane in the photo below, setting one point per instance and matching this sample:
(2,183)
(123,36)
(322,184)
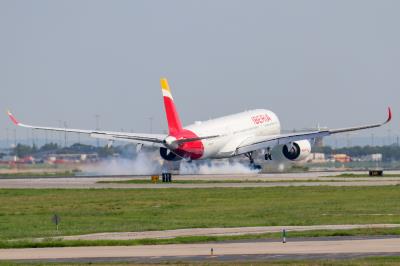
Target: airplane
(225,137)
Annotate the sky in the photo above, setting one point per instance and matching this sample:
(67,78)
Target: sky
(332,63)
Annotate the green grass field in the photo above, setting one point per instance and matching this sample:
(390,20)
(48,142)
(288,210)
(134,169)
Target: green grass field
(27,213)
(66,173)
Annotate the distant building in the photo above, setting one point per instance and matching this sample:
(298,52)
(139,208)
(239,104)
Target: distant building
(376,157)
(71,158)
(317,157)
(9,158)
(341,158)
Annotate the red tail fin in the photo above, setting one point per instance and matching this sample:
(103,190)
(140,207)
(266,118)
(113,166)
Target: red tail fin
(174,123)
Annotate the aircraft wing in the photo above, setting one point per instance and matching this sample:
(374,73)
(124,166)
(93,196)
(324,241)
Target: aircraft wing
(150,139)
(263,142)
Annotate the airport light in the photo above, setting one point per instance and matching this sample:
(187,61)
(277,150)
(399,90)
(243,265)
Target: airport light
(56,219)
(60,134)
(27,137)
(97,116)
(15,137)
(7,140)
(33,137)
(65,134)
(283,236)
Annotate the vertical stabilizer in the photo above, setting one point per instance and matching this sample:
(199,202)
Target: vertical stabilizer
(174,123)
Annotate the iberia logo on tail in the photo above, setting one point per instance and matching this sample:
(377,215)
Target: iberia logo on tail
(174,122)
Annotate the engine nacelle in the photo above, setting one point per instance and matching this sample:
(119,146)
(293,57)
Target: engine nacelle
(300,150)
(167,155)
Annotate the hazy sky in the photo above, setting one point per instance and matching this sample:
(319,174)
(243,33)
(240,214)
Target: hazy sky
(332,62)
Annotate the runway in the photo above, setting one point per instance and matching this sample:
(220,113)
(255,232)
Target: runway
(227,251)
(222,181)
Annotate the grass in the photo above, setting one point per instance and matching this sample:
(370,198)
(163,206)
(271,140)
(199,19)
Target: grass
(31,166)
(27,213)
(38,174)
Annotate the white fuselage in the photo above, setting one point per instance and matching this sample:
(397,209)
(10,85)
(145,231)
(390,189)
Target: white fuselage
(234,130)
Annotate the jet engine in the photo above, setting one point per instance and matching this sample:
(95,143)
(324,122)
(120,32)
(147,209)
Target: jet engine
(297,151)
(168,155)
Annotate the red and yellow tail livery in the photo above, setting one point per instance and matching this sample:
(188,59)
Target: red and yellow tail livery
(174,122)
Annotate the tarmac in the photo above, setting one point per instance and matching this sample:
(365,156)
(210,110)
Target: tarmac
(232,181)
(233,251)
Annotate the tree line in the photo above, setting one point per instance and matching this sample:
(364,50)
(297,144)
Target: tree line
(389,152)
(22,150)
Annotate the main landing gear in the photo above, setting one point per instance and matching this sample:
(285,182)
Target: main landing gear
(253,165)
(166,171)
(267,155)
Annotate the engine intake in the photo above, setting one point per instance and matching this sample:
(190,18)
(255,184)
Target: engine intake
(298,151)
(167,155)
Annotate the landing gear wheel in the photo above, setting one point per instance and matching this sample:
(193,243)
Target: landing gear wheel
(254,166)
(267,155)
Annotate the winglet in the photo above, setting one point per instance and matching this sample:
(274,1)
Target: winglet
(165,88)
(389,115)
(13,119)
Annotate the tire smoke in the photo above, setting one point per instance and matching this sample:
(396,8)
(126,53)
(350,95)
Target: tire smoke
(142,164)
